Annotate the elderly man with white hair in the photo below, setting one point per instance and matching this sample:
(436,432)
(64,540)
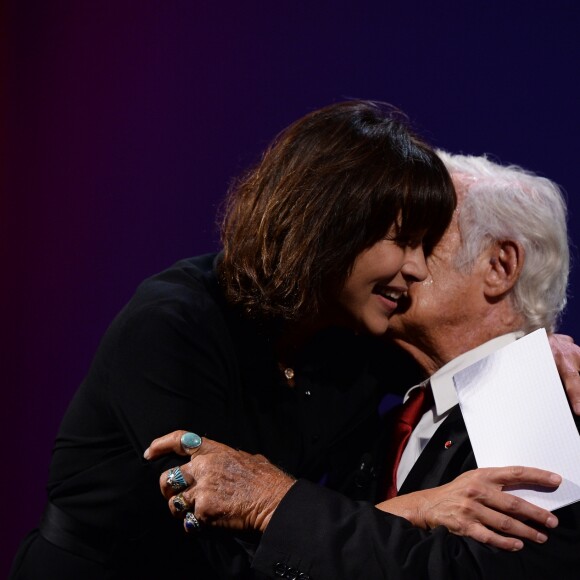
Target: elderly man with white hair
(499,272)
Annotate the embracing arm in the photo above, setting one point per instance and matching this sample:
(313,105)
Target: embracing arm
(326,536)
(324,532)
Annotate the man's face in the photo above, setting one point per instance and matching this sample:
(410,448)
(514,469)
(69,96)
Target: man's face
(442,308)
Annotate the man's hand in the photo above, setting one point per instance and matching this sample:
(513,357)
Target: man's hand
(567,357)
(474,505)
(227,488)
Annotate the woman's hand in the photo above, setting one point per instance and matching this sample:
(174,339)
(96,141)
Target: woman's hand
(567,357)
(474,505)
(226,488)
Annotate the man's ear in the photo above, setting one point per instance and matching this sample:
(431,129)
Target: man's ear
(505,263)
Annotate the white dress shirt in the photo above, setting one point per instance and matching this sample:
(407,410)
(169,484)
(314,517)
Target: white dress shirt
(445,399)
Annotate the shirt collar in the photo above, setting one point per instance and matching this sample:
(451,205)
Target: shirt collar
(442,381)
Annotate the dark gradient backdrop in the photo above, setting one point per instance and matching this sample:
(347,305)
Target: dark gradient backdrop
(123,122)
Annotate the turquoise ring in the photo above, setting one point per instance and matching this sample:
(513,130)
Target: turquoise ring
(190,441)
(175,479)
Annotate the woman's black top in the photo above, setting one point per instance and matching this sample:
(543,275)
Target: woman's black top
(179,357)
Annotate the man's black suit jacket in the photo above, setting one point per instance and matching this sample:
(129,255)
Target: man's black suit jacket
(319,534)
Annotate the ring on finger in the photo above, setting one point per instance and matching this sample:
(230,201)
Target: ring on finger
(175,479)
(179,503)
(190,440)
(191,522)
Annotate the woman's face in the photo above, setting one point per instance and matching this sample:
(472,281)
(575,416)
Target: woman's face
(380,275)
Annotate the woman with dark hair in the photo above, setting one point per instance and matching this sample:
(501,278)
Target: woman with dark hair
(271,346)
(330,186)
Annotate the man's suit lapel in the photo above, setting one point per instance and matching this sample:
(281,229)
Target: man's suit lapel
(447,454)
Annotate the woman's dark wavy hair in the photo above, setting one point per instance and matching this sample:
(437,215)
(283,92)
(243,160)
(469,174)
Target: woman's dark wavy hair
(328,187)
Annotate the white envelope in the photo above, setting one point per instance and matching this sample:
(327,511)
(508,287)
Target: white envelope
(517,413)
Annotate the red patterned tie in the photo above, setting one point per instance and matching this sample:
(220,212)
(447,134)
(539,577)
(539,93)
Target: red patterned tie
(419,401)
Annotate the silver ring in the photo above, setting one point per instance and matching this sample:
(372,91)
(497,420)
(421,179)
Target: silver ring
(191,522)
(190,441)
(175,479)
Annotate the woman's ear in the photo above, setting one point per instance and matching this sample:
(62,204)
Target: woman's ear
(505,262)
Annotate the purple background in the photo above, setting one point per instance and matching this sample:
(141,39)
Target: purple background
(123,122)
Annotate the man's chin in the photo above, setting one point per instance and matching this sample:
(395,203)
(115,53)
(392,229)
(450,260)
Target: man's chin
(396,327)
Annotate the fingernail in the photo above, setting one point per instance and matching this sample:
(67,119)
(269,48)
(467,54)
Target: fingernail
(555,478)
(541,538)
(551,522)
(518,545)
(147,453)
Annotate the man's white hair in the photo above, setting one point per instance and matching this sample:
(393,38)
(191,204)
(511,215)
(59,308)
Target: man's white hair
(511,203)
